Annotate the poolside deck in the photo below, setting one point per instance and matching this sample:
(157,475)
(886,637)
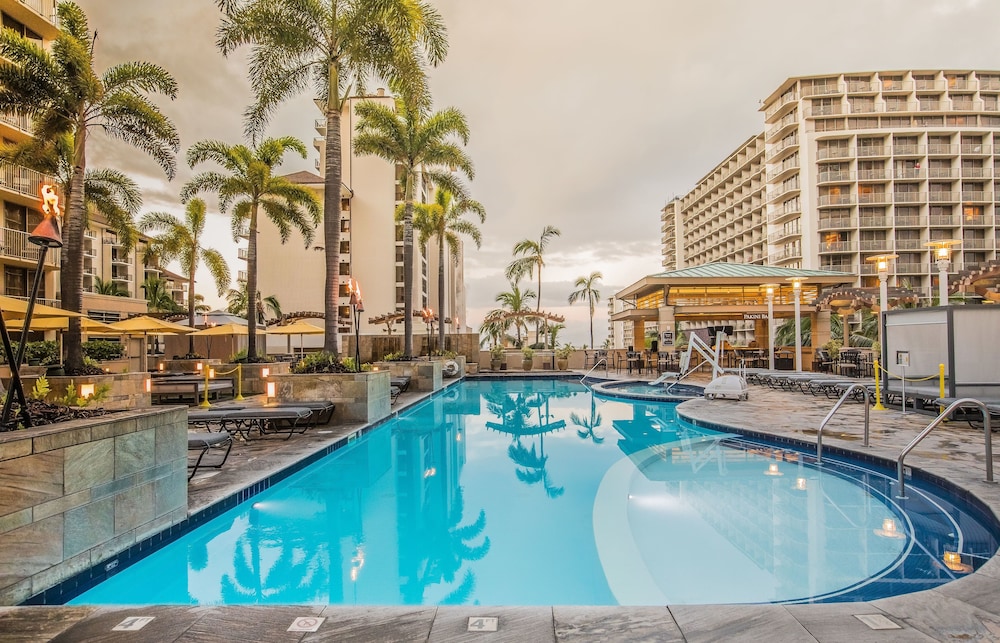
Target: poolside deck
(966,609)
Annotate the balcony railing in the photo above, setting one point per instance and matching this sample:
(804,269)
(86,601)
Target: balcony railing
(942,149)
(942,197)
(977,244)
(836,199)
(910,222)
(873,222)
(909,197)
(977,172)
(909,244)
(832,153)
(908,150)
(44,8)
(832,176)
(17,121)
(838,246)
(976,196)
(21,180)
(942,173)
(871,175)
(873,197)
(14,244)
(790,97)
(945,220)
(911,269)
(872,150)
(243,253)
(875,245)
(976,149)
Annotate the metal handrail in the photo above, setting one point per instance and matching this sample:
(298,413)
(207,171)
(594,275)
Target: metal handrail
(592,368)
(847,393)
(965,401)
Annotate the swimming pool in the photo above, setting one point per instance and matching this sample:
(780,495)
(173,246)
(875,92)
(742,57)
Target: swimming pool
(642,390)
(537,492)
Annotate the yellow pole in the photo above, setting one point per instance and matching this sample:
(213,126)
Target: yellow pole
(239,382)
(878,389)
(941,386)
(205,403)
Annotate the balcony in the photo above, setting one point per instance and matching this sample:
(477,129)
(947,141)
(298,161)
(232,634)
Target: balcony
(942,197)
(910,222)
(786,99)
(243,253)
(974,196)
(942,173)
(822,90)
(835,176)
(826,110)
(976,149)
(872,175)
(909,197)
(908,150)
(861,87)
(977,222)
(941,149)
(871,198)
(22,180)
(911,269)
(784,255)
(909,244)
(927,84)
(837,247)
(833,153)
(944,220)
(829,200)
(14,245)
(782,147)
(869,151)
(786,122)
(17,121)
(977,172)
(320,125)
(121,276)
(779,214)
(977,244)
(873,222)
(776,237)
(846,268)
(895,86)
(930,105)
(875,245)
(241,275)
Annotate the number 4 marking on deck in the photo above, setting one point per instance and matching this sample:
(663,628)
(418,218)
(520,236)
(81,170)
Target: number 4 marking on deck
(483,623)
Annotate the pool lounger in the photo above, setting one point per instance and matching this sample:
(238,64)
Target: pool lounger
(322,411)
(265,420)
(205,442)
(972,414)
(402,382)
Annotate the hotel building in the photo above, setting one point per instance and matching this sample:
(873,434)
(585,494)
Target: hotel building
(850,166)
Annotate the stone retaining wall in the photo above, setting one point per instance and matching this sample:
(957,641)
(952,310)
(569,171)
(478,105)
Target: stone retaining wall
(424,375)
(253,382)
(360,397)
(77,493)
(128,390)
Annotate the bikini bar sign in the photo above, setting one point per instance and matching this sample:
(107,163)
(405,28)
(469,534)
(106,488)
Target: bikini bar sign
(752,316)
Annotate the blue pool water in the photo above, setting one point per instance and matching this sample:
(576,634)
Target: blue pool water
(537,492)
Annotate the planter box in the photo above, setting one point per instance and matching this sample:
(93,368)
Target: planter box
(360,397)
(78,493)
(253,382)
(128,390)
(424,375)
(114,365)
(183,365)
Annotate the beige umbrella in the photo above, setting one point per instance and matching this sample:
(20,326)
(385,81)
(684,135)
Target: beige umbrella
(299,328)
(229,329)
(89,326)
(145,325)
(13,307)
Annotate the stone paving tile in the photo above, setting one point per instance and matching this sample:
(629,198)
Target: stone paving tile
(612,624)
(836,622)
(724,623)
(168,624)
(941,617)
(515,624)
(353,625)
(39,623)
(245,623)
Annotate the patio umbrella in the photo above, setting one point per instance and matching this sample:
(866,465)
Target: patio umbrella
(145,325)
(299,328)
(89,326)
(231,329)
(13,307)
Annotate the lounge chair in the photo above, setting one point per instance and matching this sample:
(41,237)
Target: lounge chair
(402,382)
(263,419)
(322,411)
(205,442)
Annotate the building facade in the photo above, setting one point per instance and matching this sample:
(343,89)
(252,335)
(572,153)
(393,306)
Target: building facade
(850,166)
(371,246)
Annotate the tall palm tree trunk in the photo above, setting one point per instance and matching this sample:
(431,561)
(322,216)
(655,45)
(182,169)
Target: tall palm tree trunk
(538,305)
(441,291)
(71,262)
(331,217)
(592,323)
(190,307)
(252,287)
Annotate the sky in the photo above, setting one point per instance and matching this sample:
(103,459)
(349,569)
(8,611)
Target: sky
(587,116)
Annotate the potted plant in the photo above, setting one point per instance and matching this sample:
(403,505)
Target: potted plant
(562,356)
(529,356)
(496,357)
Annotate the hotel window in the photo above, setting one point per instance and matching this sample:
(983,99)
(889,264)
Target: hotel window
(862,123)
(896,121)
(929,103)
(830,125)
(15,281)
(924,81)
(891,83)
(989,102)
(19,28)
(928,121)
(962,102)
(957,81)
(15,217)
(825,106)
(989,82)
(972,214)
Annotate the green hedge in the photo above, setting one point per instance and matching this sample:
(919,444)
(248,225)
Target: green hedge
(101,350)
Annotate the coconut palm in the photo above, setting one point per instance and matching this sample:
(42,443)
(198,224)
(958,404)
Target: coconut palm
(248,184)
(333,46)
(529,257)
(587,291)
(158,298)
(63,95)
(514,301)
(421,145)
(237,300)
(181,240)
(110,288)
(443,221)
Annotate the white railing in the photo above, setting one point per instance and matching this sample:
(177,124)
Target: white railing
(14,244)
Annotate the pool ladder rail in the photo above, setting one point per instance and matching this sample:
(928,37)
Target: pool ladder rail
(603,360)
(900,469)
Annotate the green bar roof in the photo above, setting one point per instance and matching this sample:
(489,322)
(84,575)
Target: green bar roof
(743,270)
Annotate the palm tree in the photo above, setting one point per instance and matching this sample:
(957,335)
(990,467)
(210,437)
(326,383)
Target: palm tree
(110,288)
(419,143)
(514,301)
(237,300)
(333,46)
(529,256)
(181,240)
(248,184)
(158,298)
(63,95)
(587,291)
(443,221)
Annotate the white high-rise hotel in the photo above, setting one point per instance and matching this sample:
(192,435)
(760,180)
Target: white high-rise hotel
(851,166)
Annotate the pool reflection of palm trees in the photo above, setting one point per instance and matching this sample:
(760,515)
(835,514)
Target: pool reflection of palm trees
(526,415)
(589,423)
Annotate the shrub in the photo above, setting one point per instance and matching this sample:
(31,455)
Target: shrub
(101,350)
(241,358)
(565,351)
(44,353)
(528,351)
(321,363)
(496,352)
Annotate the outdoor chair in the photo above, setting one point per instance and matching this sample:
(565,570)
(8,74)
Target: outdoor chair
(402,382)
(205,442)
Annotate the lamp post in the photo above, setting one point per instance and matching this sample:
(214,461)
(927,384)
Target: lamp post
(45,235)
(942,251)
(769,292)
(357,306)
(797,294)
(882,266)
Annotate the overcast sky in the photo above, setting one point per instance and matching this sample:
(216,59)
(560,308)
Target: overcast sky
(589,116)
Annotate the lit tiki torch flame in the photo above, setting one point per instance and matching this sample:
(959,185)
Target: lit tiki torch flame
(46,233)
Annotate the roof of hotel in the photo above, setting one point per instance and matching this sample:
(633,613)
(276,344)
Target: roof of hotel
(744,270)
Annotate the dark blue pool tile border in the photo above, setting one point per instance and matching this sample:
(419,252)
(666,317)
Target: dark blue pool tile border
(970,500)
(88,578)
